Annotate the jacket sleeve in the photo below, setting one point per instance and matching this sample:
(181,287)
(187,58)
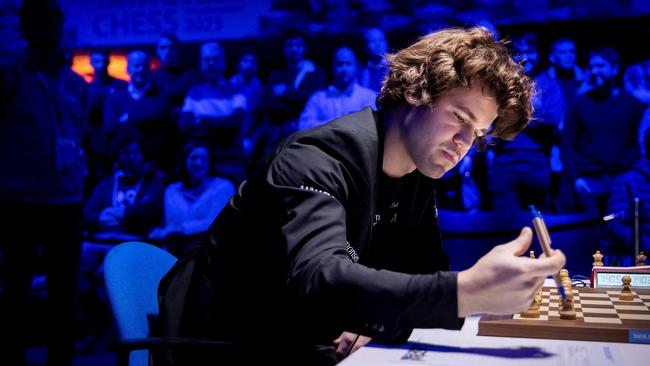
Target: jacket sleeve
(324,280)
(619,201)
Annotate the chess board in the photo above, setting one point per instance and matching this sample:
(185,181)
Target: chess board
(600,316)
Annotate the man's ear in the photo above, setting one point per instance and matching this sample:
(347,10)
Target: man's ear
(410,99)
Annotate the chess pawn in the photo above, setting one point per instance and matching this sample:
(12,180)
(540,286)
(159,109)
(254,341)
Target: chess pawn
(640,259)
(564,273)
(567,311)
(598,259)
(533,310)
(626,294)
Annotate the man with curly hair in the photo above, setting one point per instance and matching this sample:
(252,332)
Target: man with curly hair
(336,233)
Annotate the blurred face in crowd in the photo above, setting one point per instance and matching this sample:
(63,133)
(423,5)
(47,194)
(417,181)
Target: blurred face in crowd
(563,54)
(167,50)
(99,62)
(197,163)
(375,42)
(212,61)
(294,50)
(437,137)
(138,67)
(601,71)
(131,159)
(345,67)
(527,53)
(247,66)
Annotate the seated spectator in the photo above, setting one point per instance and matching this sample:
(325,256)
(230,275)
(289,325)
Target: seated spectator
(128,204)
(193,203)
(341,97)
(99,89)
(287,91)
(376,68)
(214,112)
(172,77)
(147,108)
(634,82)
(631,184)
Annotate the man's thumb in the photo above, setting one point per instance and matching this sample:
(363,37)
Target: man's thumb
(522,242)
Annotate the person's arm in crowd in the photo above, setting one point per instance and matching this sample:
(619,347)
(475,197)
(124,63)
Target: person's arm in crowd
(147,209)
(620,200)
(100,199)
(219,194)
(569,138)
(309,116)
(236,119)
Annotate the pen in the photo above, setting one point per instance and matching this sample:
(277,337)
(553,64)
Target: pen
(545,242)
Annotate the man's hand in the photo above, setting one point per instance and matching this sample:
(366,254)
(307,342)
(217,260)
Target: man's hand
(347,340)
(503,282)
(581,186)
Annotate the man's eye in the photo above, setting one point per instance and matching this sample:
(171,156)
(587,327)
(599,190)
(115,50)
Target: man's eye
(459,118)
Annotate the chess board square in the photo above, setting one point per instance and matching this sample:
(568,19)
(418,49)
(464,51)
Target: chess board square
(556,314)
(603,320)
(631,307)
(599,311)
(634,316)
(595,302)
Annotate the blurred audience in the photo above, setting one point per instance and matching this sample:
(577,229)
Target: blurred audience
(147,108)
(287,90)
(600,136)
(215,112)
(172,77)
(95,142)
(341,97)
(375,46)
(128,204)
(192,203)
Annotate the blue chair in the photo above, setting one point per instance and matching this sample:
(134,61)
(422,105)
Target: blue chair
(132,273)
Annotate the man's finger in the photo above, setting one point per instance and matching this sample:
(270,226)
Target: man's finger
(520,245)
(547,265)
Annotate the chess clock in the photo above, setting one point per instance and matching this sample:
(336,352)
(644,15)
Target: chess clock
(611,277)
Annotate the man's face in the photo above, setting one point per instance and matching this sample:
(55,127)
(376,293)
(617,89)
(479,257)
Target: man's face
(564,55)
(99,63)
(601,71)
(375,42)
(138,67)
(248,65)
(198,163)
(212,61)
(528,54)
(294,49)
(345,66)
(167,51)
(130,158)
(437,137)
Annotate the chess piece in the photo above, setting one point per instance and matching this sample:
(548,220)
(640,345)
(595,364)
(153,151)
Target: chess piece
(564,273)
(567,311)
(640,259)
(533,310)
(626,294)
(598,259)
(532,254)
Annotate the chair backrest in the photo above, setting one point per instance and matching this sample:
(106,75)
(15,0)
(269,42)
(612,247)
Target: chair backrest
(132,273)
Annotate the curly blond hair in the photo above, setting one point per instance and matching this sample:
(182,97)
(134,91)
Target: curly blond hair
(448,59)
